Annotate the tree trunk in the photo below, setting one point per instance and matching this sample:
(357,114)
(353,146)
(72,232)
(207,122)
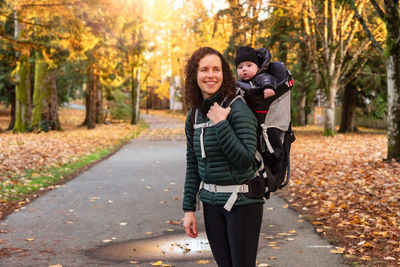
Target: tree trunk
(393,76)
(302,110)
(23,105)
(23,110)
(53,103)
(329,122)
(85,88)
(12,115)
(99,102)
(41,94)
(135,96)
(347,123)
(91,102)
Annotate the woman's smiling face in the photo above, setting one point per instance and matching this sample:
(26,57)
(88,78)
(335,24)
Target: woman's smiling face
(209,75)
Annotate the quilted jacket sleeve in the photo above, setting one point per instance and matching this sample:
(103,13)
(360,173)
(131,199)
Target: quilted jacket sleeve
(192,180)
(237,135)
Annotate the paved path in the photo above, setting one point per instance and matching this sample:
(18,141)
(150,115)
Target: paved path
(125,208)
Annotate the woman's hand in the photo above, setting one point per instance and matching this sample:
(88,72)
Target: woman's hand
(218,113)
(190,224)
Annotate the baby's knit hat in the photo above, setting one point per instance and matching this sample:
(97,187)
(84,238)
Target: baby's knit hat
(246,53)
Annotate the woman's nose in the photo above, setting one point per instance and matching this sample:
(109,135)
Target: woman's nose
(210,73)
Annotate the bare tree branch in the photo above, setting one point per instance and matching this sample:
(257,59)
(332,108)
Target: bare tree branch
(365,27)
(356,73)
(25,22)
(378,9)
(354,59)
(51,5)
(22,43)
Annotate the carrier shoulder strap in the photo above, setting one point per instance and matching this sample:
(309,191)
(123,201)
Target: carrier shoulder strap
(207,124)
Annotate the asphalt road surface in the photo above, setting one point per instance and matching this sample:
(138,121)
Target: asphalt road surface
(126,211)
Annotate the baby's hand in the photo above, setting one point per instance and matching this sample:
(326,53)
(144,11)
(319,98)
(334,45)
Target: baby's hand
(268,93)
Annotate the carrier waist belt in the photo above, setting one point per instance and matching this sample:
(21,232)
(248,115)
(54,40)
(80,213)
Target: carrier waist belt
(234,189)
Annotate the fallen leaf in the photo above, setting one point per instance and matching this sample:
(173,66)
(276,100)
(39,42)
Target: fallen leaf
(30,239)
(163,202)
(365,258)
(202,262)
(338,250)
(368,245)
(389,258)
(123,223)
(157,263)
(283,234)
(133,262)
(263,265)
(272,258)
(56,265)
(106,240)
(149,233)
(174,222)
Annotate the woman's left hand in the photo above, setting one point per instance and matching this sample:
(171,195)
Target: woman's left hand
(218,113)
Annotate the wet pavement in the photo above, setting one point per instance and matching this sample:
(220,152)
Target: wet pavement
(126,211)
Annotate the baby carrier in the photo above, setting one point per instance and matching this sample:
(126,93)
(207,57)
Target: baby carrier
(275,135)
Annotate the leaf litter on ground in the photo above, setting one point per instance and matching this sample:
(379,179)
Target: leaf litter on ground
(351,194)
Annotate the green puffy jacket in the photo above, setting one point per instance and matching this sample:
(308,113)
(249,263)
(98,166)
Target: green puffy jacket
(230,148)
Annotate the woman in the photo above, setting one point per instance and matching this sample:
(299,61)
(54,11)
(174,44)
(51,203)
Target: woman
(220,160)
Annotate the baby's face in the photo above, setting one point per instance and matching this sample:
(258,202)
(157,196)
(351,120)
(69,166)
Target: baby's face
(247,70)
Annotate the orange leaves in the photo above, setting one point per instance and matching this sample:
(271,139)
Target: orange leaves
(344,183)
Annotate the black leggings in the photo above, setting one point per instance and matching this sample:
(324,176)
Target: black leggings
(233,235)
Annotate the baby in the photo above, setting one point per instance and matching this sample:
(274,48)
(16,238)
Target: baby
(259,88)
(251,66)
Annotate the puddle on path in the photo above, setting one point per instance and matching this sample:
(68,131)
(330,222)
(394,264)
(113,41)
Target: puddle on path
(171,247)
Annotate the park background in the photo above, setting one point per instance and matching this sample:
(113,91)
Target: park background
(76,75)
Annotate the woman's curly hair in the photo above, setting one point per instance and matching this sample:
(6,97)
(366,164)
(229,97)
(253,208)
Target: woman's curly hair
(193,96)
